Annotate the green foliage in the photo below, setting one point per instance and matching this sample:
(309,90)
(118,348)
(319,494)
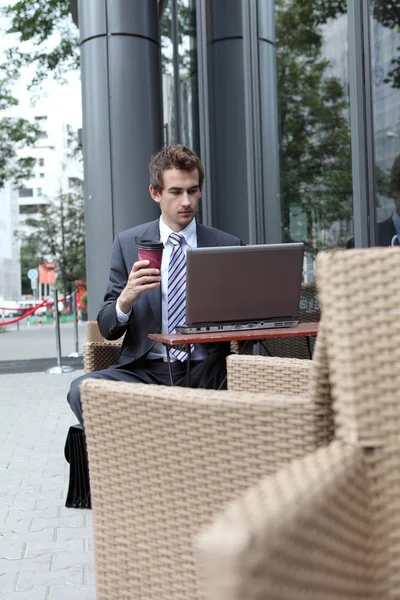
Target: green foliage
(30,258)
(314,132)
(59,235)
(36,21)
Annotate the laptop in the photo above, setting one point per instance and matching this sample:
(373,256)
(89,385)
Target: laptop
(242,287)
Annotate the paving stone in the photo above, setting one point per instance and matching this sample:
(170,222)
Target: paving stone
(12,551)
(44,548)
(71,576)
(35,548)
(18,515)
(58,592)
(46,535)
(41,562)
(8,582)
(62,560)
(39,593)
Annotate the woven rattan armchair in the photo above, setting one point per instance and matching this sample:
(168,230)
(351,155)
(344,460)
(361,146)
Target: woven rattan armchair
(327,526)
(164,460)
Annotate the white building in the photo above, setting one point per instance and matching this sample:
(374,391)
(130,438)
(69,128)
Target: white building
(56,171)
(10,278)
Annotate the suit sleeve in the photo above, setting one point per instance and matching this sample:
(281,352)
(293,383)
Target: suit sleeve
(109,326)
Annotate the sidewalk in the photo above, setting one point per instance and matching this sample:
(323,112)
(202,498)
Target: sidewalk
(46,550)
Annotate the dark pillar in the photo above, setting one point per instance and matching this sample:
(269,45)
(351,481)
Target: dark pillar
(241,149)
(122,124)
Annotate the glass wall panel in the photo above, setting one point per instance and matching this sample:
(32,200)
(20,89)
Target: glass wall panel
(167,50)
(314,125)
(188,79)
(385,46)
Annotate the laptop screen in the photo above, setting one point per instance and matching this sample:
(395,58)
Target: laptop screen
(243,283)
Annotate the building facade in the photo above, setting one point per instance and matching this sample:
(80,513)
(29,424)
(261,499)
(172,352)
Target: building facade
(57,171)
(292,106)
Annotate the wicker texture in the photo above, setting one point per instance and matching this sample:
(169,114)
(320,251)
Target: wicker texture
(359,293)
(304,533)
(163,461)
(268,374)
(99,353)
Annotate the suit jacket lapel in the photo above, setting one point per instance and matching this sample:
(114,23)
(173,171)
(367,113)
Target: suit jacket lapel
(205,236)
(153,296)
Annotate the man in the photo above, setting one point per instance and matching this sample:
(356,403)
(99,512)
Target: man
(388,231)
(137,301)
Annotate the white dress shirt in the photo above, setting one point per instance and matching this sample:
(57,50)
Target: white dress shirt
(190,239)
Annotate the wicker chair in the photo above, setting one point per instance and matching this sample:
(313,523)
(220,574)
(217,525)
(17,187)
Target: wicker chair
(167,459)
(327,525)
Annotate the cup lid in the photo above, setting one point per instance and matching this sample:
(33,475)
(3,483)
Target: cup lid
(150,245)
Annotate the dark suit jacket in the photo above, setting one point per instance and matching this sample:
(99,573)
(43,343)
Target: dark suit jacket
(146,312)
(386,230)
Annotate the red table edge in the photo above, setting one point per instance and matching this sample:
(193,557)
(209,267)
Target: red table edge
(302,330)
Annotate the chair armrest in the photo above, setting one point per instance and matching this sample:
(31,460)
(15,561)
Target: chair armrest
(268,374)
(98,356)
(305,532)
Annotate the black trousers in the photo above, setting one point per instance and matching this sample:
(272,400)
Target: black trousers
(209,373)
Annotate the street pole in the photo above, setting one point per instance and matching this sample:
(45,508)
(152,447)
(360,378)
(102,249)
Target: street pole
(75,354)
(59,369)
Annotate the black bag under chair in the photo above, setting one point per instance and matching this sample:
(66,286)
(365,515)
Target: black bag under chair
(78,495)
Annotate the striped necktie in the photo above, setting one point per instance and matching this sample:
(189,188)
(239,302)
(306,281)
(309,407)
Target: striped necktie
(177,290)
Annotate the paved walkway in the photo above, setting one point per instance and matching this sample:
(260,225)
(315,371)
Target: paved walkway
(46,550)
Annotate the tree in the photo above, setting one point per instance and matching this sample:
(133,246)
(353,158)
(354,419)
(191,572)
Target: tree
(30,258)
(58,234)
(314,132)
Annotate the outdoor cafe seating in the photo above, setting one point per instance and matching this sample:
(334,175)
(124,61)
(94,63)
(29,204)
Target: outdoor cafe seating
(238,494)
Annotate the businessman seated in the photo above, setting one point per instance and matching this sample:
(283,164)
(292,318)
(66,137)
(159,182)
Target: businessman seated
(140,300)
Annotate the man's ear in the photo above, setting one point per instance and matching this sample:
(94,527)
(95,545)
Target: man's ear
(154,194)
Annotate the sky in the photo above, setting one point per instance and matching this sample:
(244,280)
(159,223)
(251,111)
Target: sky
(66,98)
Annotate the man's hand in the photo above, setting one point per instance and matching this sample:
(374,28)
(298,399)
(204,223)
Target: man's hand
(140,279)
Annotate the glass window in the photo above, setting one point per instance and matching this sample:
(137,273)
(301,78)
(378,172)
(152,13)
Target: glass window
(314,126)
(385,50)
(41,175)
(25,193)
(167,74)
(188,77)
(30,209)
(41,162)
(39,192)
(41,135)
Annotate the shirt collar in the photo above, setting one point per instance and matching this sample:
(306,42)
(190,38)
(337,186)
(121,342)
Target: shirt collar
(188,233)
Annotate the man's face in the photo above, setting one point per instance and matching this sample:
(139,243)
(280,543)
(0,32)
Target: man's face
(179,199)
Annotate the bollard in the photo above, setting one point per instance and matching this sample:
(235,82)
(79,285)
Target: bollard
(75,354)
(59,369)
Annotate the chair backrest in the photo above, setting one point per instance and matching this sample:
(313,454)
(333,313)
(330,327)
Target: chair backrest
(93,335)
(163,461)
(305,532)
(360,291)
(306,535)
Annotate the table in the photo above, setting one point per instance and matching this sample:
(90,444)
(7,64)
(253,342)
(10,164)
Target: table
(184,340)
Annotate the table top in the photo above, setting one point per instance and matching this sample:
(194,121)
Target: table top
(246,335)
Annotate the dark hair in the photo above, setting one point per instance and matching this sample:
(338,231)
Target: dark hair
(394,180)
(173,157)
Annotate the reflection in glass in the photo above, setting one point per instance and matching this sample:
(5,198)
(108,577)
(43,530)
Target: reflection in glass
(188,74)
(167,75)
(187,81)
(315,143)
(386,97)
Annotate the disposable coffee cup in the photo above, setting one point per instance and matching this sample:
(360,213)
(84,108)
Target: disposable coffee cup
(151,250)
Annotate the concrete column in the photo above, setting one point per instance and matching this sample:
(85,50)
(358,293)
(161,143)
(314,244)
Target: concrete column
(243,121)
(122,124)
